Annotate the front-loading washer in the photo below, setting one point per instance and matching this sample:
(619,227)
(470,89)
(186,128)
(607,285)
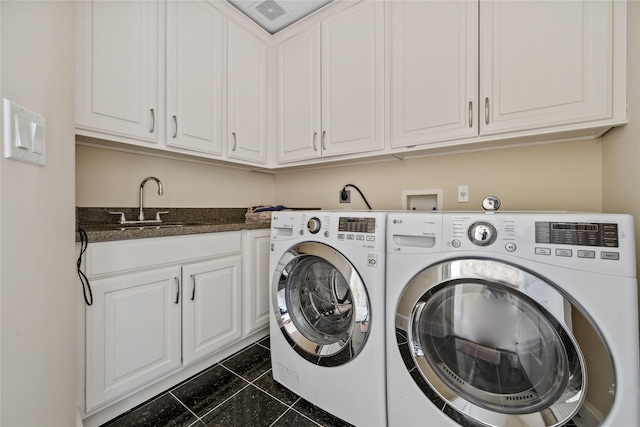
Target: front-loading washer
(512,319)
(327,311)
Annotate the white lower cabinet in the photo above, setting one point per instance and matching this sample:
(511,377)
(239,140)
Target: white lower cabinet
(211,306)
(163,304)
(256,283)
(132,332)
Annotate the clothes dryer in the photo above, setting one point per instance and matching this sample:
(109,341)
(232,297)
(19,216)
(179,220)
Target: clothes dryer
(512,319)
(327,311)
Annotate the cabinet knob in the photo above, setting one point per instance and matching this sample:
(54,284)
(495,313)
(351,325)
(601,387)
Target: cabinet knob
(315,147)
(193,292)
(235,141)
(470,114)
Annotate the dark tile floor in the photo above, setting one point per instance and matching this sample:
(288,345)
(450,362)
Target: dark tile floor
(239,391)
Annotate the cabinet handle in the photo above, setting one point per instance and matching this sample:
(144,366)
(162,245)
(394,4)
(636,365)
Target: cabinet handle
(315,147)
(235,141)
(486,111)
(193,292)
(324,133)
(178,290)
(175,127)
(470,114)
(153,120)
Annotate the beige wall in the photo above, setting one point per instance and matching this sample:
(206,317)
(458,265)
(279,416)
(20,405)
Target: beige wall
(37,251)
(564,176)
(112,178)
(621,146)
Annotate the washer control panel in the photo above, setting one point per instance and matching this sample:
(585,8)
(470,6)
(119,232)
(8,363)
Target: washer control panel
(357,229)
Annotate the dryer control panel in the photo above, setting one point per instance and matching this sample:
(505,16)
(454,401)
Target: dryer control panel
(589,242)
(577,233)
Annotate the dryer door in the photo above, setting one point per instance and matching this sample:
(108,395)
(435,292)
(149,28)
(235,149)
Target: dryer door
(495,343)
(321,304)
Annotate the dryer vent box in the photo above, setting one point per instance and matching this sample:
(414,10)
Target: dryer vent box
(422,200)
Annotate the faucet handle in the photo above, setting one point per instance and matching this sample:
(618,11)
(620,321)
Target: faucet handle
(122,218)
(160,213)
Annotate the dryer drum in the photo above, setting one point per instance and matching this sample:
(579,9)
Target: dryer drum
(494,343)
(510,359)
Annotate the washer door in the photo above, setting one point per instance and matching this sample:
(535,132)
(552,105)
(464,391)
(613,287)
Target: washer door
(494,343)
(321,304)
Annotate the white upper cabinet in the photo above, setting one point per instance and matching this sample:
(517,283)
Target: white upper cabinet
(247,95)
(353,80)
(299,96)
(117,69)
(504,69)
(545,63)
(434,71)
(331,86)
(194,76)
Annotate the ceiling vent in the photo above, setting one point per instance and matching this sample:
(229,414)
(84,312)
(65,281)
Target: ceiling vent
(270,10)
(274,15)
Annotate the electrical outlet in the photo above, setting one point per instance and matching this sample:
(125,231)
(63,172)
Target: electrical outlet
(345,196)
(463,194)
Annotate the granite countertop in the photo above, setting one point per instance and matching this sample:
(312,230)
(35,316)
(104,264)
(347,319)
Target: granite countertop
(101,226)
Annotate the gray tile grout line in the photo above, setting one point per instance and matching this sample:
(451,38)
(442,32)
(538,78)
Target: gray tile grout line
(298,412)
(249,383)
(199,419)
(230,397)
(188,409)
(228,369)
(289,407)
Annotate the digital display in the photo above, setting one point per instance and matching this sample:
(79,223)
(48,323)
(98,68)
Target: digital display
(577,233)
(576,227)
(357,225)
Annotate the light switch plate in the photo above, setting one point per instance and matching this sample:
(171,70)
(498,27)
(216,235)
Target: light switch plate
(24,134)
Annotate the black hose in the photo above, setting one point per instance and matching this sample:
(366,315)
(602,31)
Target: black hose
(86,286)
(362,195)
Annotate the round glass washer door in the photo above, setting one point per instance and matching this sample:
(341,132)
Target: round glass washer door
(321,304)
(494,343)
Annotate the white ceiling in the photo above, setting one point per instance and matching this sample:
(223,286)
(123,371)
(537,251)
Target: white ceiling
(274,15)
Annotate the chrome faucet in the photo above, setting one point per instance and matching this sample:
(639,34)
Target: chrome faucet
(160,192)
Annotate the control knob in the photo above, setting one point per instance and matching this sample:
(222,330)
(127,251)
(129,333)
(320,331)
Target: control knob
(482,233)
(314,225)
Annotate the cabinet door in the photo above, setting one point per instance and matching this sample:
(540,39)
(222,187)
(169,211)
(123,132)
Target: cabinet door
(211,306)
(247,96)
(117,68)
(299,97)
(544,63)
(194,76)
(434,71)
(132,332)
(353,80)
(256,280)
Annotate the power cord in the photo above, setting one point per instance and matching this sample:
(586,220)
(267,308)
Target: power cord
(86,286)
(343,194)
